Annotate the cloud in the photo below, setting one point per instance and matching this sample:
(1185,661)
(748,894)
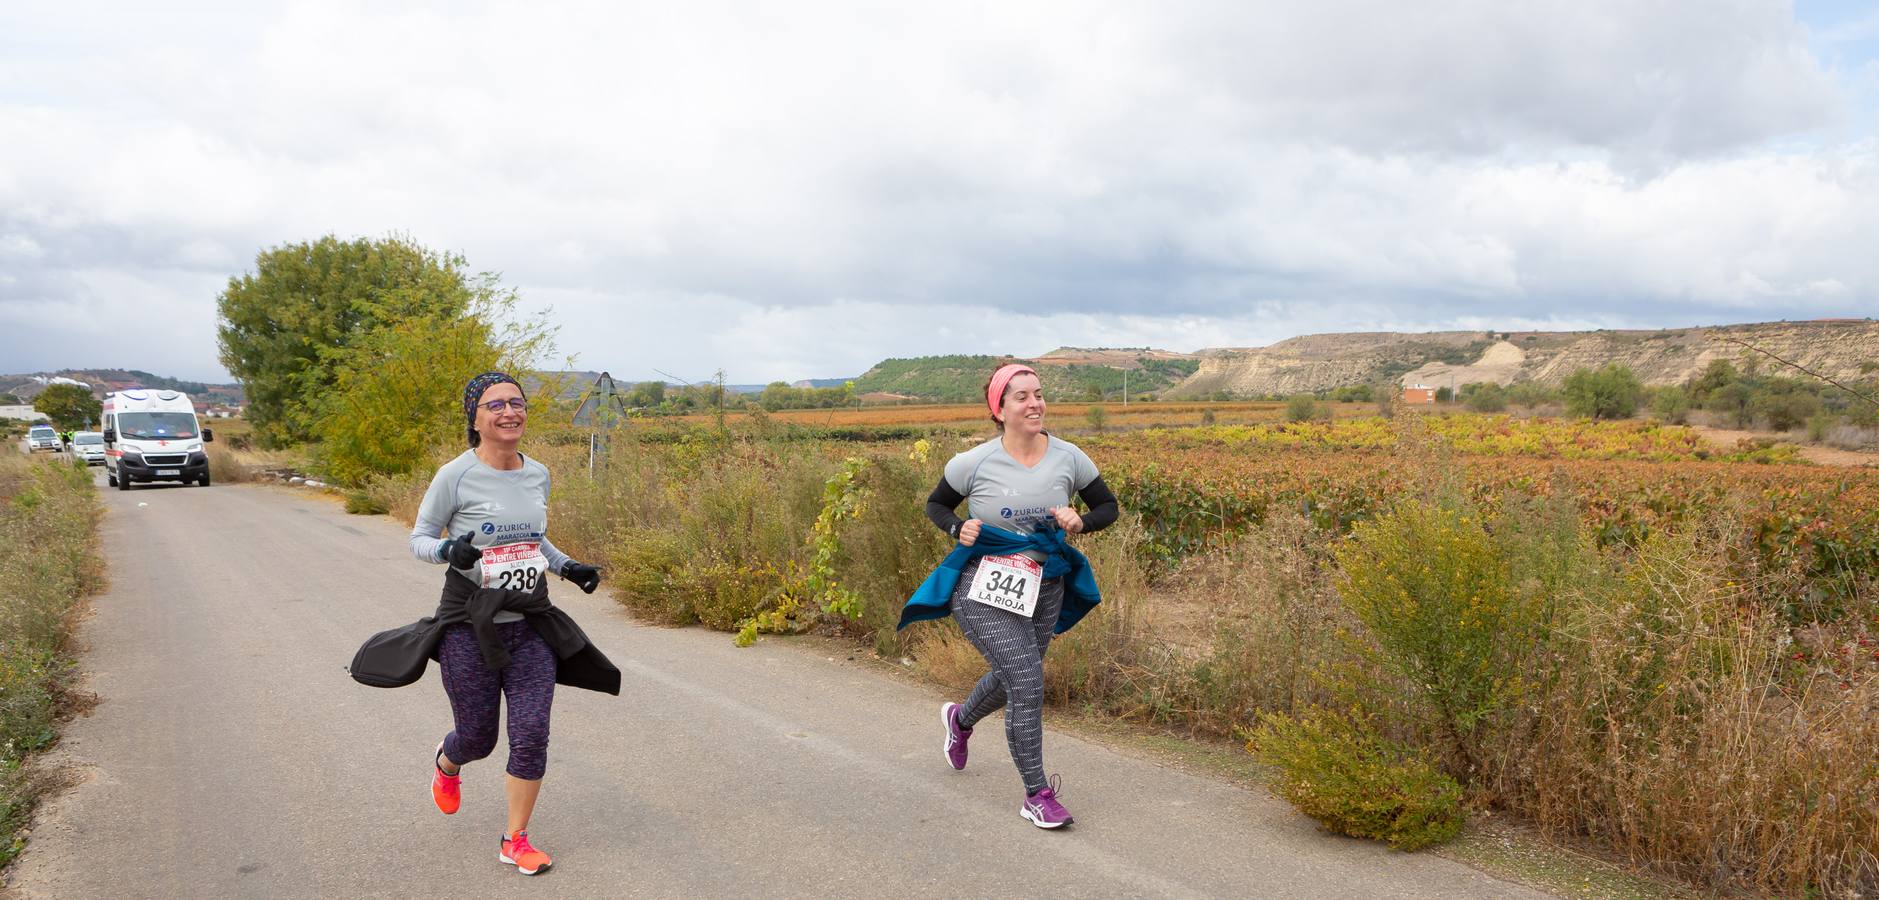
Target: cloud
(799,191)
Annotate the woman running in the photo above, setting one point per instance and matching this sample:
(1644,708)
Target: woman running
(495,635)
(1013,582)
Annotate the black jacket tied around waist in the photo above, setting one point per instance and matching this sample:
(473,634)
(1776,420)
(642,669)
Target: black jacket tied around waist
(397,657)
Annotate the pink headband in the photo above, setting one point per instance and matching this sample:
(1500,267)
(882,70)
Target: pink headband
(995,392)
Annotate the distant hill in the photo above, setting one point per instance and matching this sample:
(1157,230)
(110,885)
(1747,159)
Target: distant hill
(103,381)
(1067,373)
(1322,362)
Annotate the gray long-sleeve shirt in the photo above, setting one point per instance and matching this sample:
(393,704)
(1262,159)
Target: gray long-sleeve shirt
(496,506)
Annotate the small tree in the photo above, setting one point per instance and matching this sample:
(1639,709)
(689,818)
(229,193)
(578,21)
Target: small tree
(1671,404)
(1718,375)
(1612,392)
(1301,408)
(69,406)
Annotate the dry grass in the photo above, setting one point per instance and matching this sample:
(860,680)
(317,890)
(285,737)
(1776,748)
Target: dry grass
(1687,727)
(48,560)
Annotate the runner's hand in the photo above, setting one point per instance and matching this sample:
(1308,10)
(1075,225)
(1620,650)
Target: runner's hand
(969,532)
(584,576)
(1067,519)
(460,553)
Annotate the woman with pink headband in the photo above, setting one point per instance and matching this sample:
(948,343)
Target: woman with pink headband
(1014,582)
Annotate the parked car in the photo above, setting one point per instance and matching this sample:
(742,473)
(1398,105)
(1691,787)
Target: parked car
(42,437)
(89,445)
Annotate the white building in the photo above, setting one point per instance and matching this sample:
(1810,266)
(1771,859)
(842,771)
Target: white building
(22,412)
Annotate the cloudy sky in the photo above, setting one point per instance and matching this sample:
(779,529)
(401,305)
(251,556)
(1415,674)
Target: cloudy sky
(798,190)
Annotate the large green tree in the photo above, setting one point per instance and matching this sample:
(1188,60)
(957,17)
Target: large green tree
(285,329)
(69,406)
(1612,392)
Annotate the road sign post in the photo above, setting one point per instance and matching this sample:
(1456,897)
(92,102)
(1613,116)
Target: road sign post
(601,409)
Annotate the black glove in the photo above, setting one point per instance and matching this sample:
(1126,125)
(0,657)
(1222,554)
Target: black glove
(459,552)
(584,576)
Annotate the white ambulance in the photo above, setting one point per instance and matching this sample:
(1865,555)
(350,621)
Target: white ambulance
(152,435)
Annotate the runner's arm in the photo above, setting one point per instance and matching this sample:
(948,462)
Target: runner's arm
(433,514)
(556,559)
(1102,504)
(940,505)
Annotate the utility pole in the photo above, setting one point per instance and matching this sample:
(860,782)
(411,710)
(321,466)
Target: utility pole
(1125,388)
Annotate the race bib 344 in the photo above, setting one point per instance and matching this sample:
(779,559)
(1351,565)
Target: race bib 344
(1009,583)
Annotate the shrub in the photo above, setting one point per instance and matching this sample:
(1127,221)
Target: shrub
(1530,394)
(1385,396)
(1485,397)
(1336,769)
(1436,594)
(1784,403)
(1301,408)
(1095,416)
(1671,405)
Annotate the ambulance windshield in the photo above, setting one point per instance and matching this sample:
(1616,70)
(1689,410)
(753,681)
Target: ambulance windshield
(158,426)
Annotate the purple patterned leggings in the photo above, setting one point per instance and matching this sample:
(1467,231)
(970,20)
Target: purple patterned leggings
(475,691)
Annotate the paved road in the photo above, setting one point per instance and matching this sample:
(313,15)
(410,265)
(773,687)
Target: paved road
(231,756)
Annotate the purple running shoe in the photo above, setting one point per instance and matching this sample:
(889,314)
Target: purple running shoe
(956,737)
(1043,809)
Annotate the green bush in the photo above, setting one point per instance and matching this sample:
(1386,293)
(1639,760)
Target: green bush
(1530,394)
(889,547)
(1671,405)
(1784,403)
(1301,408)
(1437,595)
(1336,769)
(647,567)
(1486,397)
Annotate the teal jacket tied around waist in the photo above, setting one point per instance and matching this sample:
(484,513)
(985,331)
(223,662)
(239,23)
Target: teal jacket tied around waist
(934,598)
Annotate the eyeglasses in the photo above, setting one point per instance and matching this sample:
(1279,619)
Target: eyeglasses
(519,404)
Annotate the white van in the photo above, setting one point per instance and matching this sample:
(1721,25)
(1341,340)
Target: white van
(153,436)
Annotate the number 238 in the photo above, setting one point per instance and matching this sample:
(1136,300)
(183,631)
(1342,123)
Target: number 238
(518,579)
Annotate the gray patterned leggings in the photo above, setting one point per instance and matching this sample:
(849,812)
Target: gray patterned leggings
(1014,646)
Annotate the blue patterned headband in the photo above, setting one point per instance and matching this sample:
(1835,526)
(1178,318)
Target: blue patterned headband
(473,394)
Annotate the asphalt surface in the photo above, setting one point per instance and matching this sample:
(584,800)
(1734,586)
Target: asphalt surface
(230,755)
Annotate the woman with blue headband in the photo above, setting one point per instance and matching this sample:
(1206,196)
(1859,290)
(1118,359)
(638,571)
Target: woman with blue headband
(1013,581)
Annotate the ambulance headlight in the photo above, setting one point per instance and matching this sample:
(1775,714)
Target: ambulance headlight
(193,448)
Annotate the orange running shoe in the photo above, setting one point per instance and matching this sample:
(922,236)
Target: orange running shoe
(445,789)
(517,851)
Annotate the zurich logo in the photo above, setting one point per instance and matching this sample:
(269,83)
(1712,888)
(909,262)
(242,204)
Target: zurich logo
(489,528)
(1005,513)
